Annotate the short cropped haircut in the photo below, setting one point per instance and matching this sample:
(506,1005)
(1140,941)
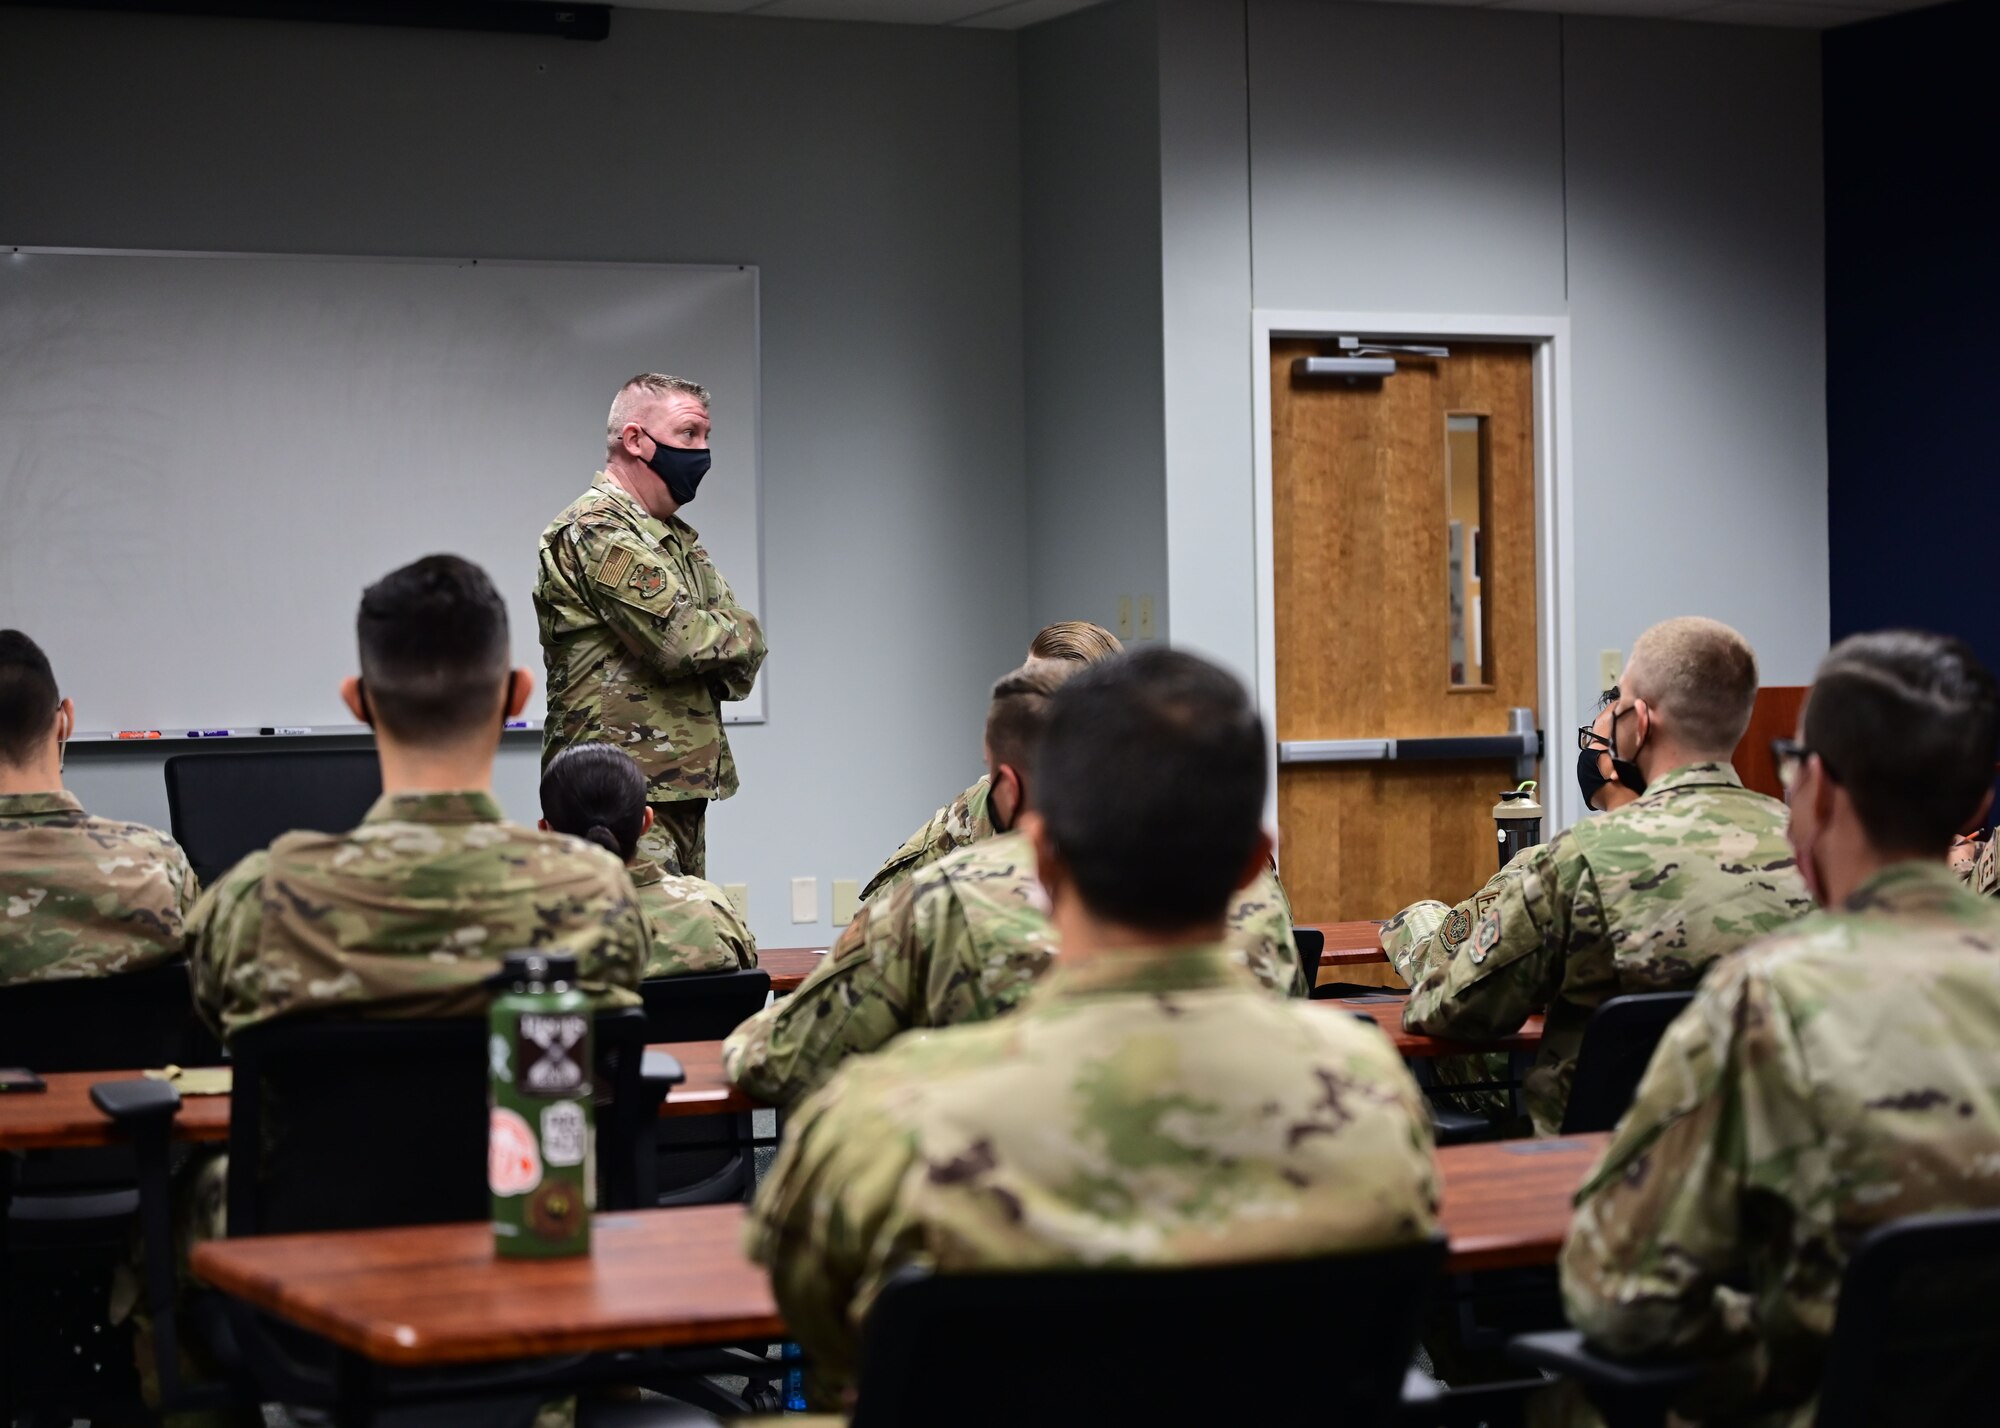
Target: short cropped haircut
(1018,708)
(641,389)
(28,698)
(1150,781)
(1907,722)
(434,651)
(1076,640)
(596,791)
(1702,677)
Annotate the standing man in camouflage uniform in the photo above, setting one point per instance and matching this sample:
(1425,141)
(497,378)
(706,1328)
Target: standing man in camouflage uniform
(1837,1075)
(595,792)
(965,938)
(409,914)
(1641,899)
(968,818)
(1148,1103)
(79,896)
(642,638)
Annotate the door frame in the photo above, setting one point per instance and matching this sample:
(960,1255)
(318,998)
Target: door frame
(1555,509)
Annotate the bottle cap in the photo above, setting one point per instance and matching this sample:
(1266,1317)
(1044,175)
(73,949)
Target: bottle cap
(527,967)
(1518,803)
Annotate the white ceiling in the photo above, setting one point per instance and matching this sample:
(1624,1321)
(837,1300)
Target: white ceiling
(1015,14)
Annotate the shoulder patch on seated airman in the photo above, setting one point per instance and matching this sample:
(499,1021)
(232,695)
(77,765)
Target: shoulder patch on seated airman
(1457,927)
(648,580)
(612,569)
(1488,936)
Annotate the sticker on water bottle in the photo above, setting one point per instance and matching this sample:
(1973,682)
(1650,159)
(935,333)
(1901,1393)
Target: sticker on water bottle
(551,1053)
(513,1159)
(564,1135)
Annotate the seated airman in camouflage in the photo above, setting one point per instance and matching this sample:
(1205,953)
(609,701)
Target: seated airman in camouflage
(967,818)
(1640,899)
(963,939)
(410,913)
(79,896)
(596,792)
(1830,1077)
(1981,870)
(1287,1131)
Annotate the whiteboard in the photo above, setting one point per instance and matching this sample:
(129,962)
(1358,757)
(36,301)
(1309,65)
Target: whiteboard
(205,457)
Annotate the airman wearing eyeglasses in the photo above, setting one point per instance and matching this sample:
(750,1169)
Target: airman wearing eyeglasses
(1685,865)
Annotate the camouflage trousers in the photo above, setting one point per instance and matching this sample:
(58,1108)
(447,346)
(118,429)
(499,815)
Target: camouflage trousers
(678,839)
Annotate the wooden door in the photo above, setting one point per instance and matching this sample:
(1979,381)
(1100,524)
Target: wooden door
(1363,514)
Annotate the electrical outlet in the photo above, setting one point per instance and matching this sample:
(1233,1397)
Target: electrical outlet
(805,899)
(1610,664)
(846,900)
(1124,617)
(1145,617)
(739,898)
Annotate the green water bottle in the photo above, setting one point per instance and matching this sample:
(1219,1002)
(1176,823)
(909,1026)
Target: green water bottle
(540,1151)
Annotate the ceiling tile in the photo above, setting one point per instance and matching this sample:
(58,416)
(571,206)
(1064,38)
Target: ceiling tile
(1783,13)
(893,12)
(1658,9)
(712,7)
(1019,14)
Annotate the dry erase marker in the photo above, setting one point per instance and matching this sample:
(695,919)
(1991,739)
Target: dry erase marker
(138,733)
(284,729)
(515,724)
(209,733)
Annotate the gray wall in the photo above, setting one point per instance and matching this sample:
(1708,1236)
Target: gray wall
(871,171)
(1420,160)
(1090,163)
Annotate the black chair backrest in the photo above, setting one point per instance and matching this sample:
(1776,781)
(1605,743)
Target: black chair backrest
(1087,1347)
(1916,1337)
(135,1019)
(353,1124)
(1311,943)
(1617,1045)
(224,806)
(703,1006)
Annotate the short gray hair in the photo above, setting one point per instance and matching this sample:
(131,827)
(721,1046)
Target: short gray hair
(641,390)
(1702,677)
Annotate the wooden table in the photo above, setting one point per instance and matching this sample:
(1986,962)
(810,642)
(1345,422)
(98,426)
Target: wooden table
(789,966)
(1387,1013)
(678,1278)
(1350,944)
(64,1117)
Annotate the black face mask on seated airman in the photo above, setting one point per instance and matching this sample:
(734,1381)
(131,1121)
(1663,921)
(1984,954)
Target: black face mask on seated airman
(1591,782)
(680,467)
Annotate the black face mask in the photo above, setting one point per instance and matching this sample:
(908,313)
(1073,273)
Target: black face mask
(1591,781)
(679,467)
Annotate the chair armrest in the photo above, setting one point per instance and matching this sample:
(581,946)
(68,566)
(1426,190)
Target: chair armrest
(1565,1351)
(661,1072)
(138,1103)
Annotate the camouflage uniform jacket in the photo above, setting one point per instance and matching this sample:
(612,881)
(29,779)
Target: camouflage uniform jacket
(1637,900)
(1146,1107)
(643,641)
(961,940)
(83,896)
(964,820)
(1982,873)
(693,925)
(408,915)
(1840,1074)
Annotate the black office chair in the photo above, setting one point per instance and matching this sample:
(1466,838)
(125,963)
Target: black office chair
(1086,1347)
(704,1160)
(68,1214)
(1311,943)
(135,1019)
(1618,1044)
(362,1123)
(225,806)
(1916,1337)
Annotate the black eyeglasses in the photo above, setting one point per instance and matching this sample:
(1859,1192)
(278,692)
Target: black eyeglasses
(1789,756)
(1587,737)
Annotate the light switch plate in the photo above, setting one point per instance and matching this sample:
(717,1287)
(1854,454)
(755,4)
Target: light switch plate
(739,898)
(1145,617)
(805,899)
(846,900)
(1610,664)
(1124,617)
